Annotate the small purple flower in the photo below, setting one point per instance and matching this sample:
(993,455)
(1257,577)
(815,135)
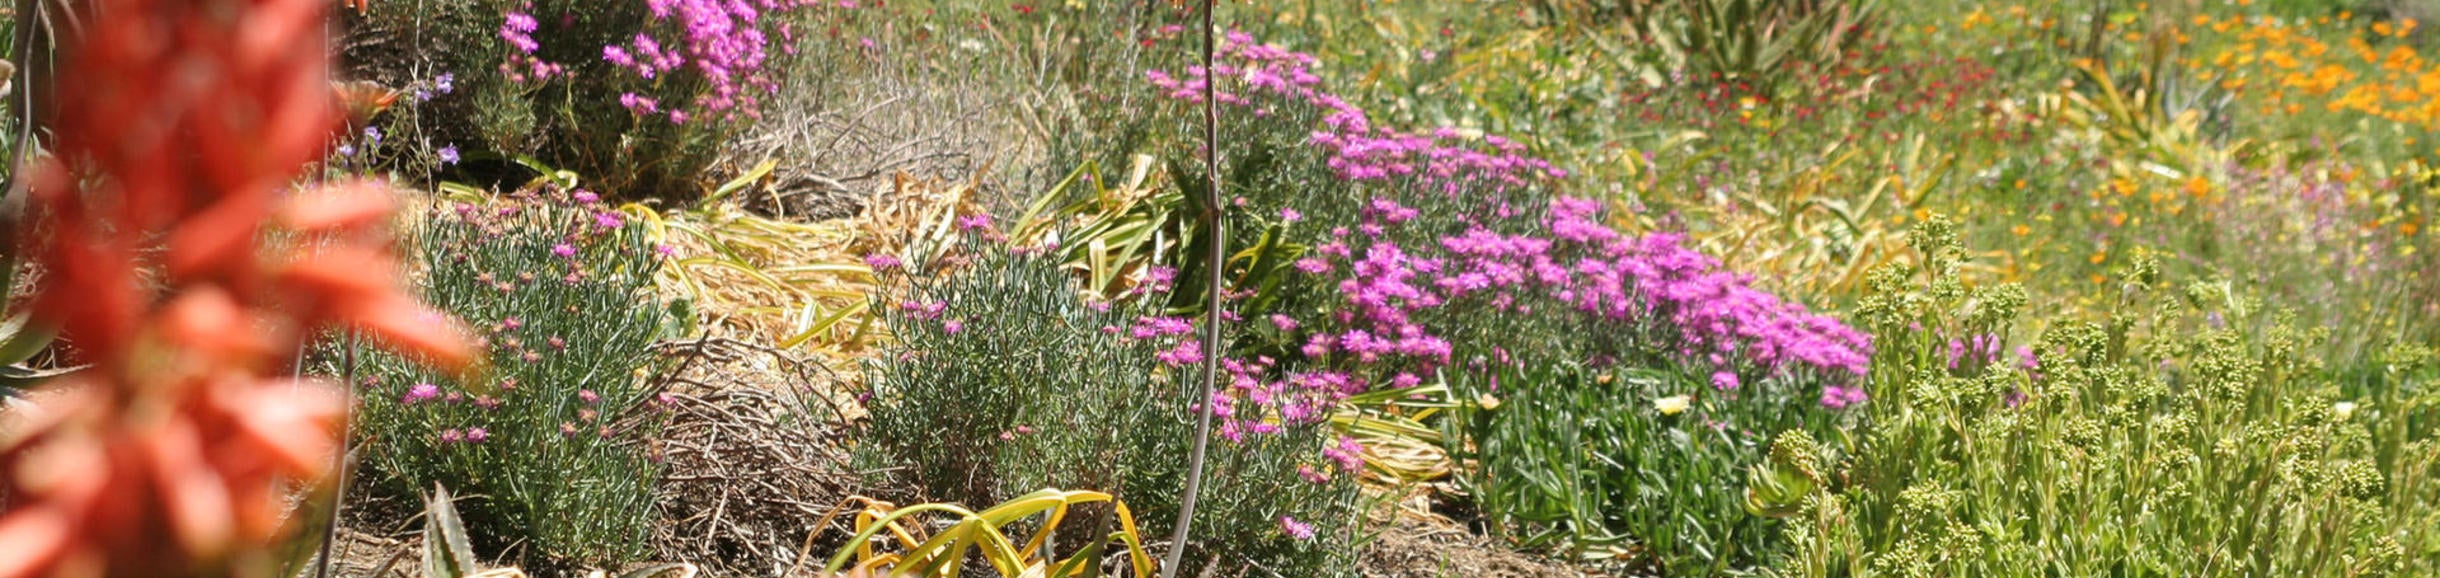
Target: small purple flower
(952,327)
(1311,475)
(588,396)
(446,83)
(347,150)
(1723,380)
(608,220)
(974,222)
(617,55)
(881,262)
(452,435)
(449,155)
(372,134)
(477,435)
(586,197)
(1299,531)
(422,392)
(1348,453)
(639,104)
(1159,278)
(564,250)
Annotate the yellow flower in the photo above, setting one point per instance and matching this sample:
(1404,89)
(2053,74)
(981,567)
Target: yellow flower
(1672,405)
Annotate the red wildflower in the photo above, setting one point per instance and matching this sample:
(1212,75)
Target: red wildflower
(164,458)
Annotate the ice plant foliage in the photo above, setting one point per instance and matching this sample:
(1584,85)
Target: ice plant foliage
(553,436)
(165,458)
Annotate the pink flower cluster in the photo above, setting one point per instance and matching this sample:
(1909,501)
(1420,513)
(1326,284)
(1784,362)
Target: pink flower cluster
(724,42)
(1715,316)
(1269,79)
(1567,259)
(517,29)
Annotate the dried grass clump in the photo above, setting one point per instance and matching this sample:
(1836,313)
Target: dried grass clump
(799,286)
(751,459)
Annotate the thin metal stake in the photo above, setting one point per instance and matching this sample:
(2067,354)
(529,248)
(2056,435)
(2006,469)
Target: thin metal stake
(1211,312)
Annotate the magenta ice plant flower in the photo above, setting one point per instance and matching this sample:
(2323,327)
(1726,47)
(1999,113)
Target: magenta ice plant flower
(1296,530)
(419,393)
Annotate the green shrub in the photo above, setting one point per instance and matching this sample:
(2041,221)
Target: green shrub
(1643,466)
(2186,433)
(1004,380)
(552,437)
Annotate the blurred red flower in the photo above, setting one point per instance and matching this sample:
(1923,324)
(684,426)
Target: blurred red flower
(188,122)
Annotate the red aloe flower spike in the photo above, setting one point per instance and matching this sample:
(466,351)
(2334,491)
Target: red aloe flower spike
(190,119)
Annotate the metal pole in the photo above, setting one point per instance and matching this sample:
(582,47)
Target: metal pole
(1211,312)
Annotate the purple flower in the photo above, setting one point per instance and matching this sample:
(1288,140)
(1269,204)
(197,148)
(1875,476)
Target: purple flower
(586,197)
(617,55)
(640,105)
(1299,531)
(1159,279)
(952,327)
(588,396)
(449,155)
(517,30)
(1348,453)
(452,435)
(1187,352)
(421,392)
(881,262)
(1311,475)
(608,220)
(974,222)
(446,83)
(1313,265)
(563,250)
(477,435)
(1836,397)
